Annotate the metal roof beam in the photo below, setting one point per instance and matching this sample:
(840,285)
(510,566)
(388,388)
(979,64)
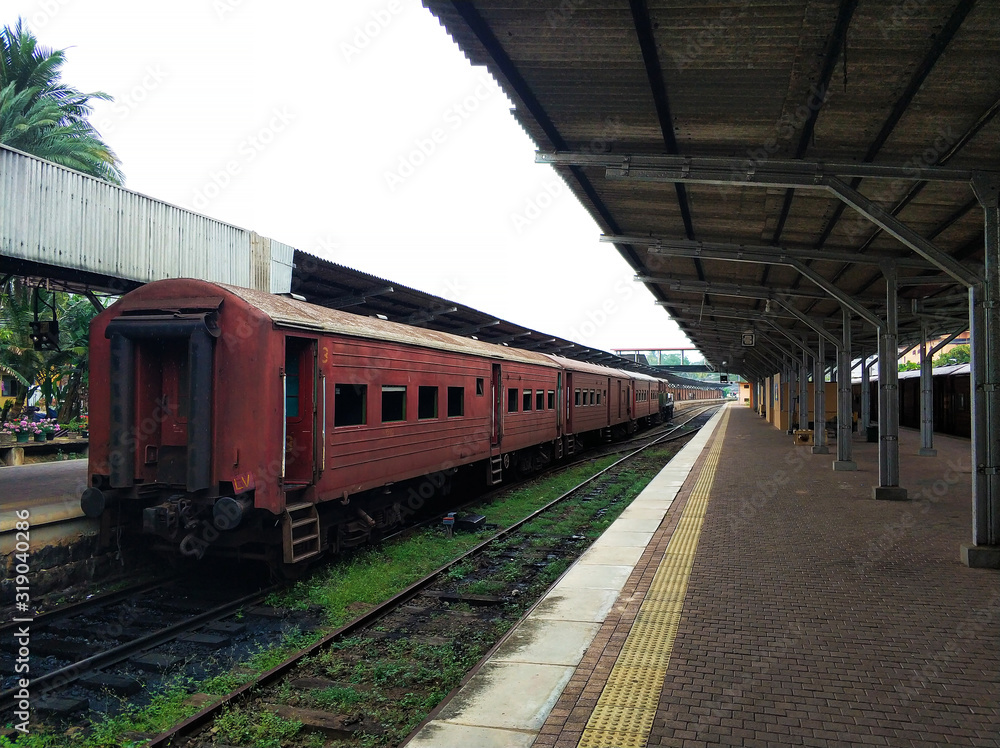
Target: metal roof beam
(812,324)
(471,329)
(427,315)
(743,171)
(759,253)
(726,289)
(786,173)
(893,226)
(357,299)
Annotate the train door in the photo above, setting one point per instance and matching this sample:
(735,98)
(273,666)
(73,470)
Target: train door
(299,378)
(619,399)
(496,394)
(607,400)
(559,399)
(569,403)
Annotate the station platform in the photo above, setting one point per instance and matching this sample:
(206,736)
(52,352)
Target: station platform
(50,491)
(751,596)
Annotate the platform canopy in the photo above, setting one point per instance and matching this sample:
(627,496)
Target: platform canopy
(763,166)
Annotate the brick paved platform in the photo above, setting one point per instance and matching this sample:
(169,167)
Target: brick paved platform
(815,615)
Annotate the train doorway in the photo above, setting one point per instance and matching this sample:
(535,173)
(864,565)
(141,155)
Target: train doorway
(299,379)
(496,392)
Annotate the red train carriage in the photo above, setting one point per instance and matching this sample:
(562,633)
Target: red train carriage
(597,398)
(234,420)
(216,410)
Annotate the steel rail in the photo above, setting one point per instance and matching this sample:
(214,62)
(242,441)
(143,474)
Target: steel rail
(45,683)
(104,598)
(184,729)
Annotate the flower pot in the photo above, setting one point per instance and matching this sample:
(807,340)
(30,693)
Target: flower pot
(39,437)
(50,435)
(21,438)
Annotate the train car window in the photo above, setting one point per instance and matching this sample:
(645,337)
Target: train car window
(350,404)
(393,403)
(591,397)
(540,400)
(427,402)
(552,400)
(526,401)
(292,387)
(576,397)
(456,401)
(512,400)
(598,397)
(480,386)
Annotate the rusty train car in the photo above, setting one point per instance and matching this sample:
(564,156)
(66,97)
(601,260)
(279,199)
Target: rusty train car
(233,421)
(952,400)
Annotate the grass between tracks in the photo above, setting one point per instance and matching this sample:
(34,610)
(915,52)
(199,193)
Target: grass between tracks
(343,589)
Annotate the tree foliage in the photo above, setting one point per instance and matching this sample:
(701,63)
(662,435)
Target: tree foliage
(58,377)
(41,115)
(960,354)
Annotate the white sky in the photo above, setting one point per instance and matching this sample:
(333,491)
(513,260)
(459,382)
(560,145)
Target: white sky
(305,121)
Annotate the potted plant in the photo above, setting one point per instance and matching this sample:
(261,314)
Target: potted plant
(22,429)
(6,436)
(48,428)
(74,426)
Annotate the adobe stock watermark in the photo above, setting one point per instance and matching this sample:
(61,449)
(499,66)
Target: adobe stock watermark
(249,148)
(366,33)
(599,315)
(536,204)
(696,43)
(46,11)
(785,130)
(125,104)
(894,191)
(451,121)
(223,8)
(564,13)
(899,16)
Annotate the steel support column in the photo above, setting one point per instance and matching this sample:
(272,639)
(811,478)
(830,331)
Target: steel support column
(888,397)
(819,400)
(926,398)
(984,313)
(866,393)
(844,411)
(789,365)
(804,388)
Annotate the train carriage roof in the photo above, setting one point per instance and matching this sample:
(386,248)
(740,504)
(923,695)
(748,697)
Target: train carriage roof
(288,312)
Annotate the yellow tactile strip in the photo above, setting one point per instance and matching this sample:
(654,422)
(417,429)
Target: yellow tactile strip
(625,710)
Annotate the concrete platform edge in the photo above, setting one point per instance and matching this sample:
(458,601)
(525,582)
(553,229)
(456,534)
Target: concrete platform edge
(479,704)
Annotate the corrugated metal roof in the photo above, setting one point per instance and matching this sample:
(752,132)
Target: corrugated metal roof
(861,81)
(293,313)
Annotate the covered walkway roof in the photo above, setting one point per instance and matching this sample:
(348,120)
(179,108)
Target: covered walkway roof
(757,162)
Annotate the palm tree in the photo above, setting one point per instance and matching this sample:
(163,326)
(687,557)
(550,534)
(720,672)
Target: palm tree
(41,115)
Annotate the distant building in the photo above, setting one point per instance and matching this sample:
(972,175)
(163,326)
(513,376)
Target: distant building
(914,355)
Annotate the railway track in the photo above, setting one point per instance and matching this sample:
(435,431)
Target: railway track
(118,644)
(418,616)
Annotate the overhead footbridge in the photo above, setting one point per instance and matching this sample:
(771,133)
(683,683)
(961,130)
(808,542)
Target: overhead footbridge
(82,234)
(800,185)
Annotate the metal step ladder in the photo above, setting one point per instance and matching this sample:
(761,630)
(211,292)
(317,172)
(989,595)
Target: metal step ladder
(495,474)
(570,445)
(299,532)
(559,448)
